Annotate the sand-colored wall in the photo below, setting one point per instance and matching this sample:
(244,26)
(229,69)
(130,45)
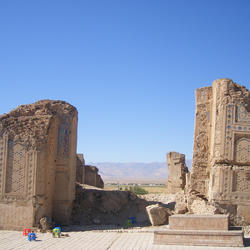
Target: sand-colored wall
(37,163)
(221,159)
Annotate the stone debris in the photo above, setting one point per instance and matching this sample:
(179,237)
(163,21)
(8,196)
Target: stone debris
(97,206)
(246,230)
(181,206)
(164,198)
(200,206)
(158,215)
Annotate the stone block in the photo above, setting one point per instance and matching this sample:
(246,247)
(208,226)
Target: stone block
(244,212)
(157,214)
(198,222)
(199,238)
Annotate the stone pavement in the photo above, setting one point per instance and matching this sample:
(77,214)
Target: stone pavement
(136,239)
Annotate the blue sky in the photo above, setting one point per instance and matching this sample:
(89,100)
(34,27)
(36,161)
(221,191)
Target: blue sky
(130,67)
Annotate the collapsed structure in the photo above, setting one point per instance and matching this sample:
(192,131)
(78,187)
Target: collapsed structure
(219,181)
(39,165)
(221,155)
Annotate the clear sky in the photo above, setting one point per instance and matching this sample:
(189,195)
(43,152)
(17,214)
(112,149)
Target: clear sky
(129,66)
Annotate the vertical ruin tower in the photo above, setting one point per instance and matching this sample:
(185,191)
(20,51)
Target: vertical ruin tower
(177,172)
(37,163)
(221,154)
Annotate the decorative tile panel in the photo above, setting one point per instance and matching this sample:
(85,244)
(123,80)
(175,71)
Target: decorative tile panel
(15,174)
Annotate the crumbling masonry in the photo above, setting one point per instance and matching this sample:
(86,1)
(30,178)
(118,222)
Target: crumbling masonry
(38,157)
(177,172)
(37,163)
(221,155)
(87,174)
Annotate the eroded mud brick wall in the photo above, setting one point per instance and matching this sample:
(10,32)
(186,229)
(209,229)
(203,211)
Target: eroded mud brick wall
(37,163)
(221,156)
(92,177)
(80,169)
(87,174)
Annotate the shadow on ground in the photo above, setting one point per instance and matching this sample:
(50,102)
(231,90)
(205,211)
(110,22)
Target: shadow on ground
(113,228)
(247,242)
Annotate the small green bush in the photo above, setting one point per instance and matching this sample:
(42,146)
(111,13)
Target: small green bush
(138,190)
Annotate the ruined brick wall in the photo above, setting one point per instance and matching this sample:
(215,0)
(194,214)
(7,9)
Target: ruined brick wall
(177,171)
(87,174)
(99,181)
(221,157)
(92,177)
(37,163)
(199,175)
(80,168)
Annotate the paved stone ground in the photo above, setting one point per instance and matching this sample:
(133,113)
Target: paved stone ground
(94,239)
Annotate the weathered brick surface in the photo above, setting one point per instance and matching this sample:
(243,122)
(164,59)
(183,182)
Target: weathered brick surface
(221,159)
(37,163)
(177,171)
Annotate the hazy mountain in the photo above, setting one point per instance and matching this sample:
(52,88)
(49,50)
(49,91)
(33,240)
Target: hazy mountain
(111,171)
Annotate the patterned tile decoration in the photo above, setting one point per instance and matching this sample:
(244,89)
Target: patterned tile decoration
(242,150)
(15,175)
(241,181)
(242,116)
(237,122)
(234,184)
(31,170)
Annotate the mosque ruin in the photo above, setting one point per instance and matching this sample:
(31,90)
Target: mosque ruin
(39,166)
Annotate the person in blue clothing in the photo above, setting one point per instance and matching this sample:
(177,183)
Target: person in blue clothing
(31,236)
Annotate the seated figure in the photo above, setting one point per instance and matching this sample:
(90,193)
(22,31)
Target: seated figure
(31,236)
(56,232)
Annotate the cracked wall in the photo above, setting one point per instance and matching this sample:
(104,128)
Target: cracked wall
(221,154)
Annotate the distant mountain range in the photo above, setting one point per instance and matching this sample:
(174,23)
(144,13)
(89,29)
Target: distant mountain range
(134,171)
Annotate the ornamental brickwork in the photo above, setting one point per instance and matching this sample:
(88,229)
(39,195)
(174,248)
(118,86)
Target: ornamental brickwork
(221,154)
(37,163)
